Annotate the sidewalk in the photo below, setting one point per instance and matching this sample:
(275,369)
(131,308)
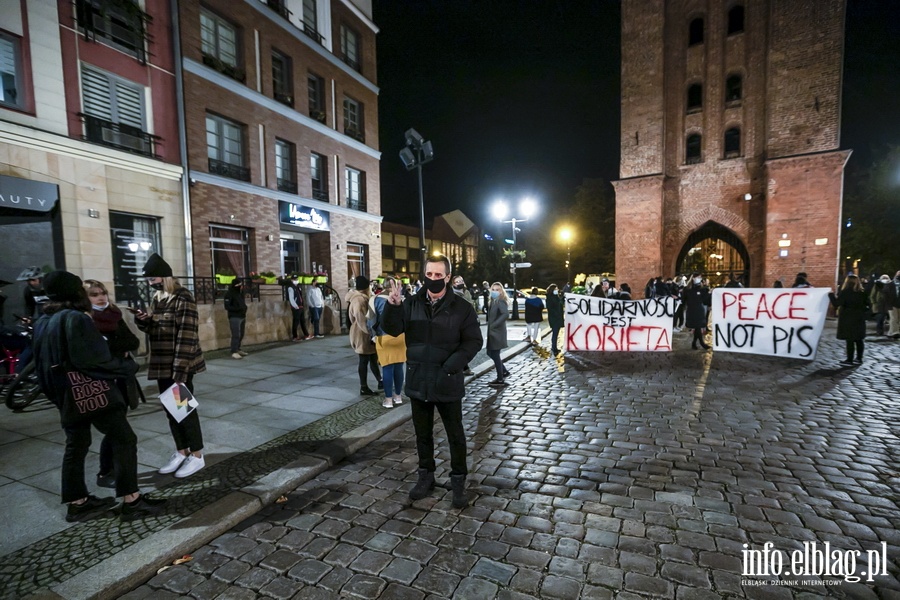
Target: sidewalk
(270,421)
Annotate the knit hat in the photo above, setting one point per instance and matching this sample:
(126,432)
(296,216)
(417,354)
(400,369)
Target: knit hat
(362,283)
(157,267)
(62,285)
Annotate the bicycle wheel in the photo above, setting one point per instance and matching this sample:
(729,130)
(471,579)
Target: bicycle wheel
(23,390)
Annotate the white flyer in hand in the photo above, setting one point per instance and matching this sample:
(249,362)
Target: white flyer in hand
(179,401)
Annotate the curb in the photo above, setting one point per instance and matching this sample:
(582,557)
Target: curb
(139,562)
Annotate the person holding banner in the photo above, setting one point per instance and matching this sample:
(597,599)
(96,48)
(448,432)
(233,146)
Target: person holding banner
(554,316)
(696,299)
(498,315)
(852,304)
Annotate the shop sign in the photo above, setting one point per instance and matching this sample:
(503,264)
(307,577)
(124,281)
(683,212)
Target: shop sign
(25,194)
(303,216)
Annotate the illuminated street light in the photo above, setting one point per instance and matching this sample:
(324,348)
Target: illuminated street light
(527,207)
(566,235)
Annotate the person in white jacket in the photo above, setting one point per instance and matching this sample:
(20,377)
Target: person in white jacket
(316,302)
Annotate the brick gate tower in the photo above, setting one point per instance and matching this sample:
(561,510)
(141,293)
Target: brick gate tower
(730,159)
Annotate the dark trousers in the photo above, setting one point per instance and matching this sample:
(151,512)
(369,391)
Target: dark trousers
(237,332)
(298,320)
(860,346)
(423,422)
(880,318)
(315,315)
(115,427)
(554,338)
(187,434)
(679,315)
(370,361)
(494,355)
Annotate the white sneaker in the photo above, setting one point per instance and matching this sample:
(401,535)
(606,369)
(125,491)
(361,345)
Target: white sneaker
(191,465)
(173,464)
(242,353)
(398,400)
(387,403)
(237,355)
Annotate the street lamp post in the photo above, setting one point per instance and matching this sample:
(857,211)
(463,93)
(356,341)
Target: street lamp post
(418,152)
(528,207)
(565,234)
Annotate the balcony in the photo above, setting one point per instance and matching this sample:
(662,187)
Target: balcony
(310,30)
(356,204)
(120,136)
(356,134)
(224,68)
(286,99)
(286,185)
(319,194)
(278,7)
(353,64)
(318,115)
(121,23)
(225,169)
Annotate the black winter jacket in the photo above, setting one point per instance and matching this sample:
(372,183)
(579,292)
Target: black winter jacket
(440,342)
(235,303)
(88,352)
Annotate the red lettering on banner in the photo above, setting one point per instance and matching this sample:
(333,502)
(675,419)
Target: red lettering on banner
(763,308)
(607,338)
(728,299)
(742,307)
(570,337)
(798,308)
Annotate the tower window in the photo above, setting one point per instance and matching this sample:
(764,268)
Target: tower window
(733,143)
(695,32)
(736,20)
(692,149)
(733,88)
(695,98)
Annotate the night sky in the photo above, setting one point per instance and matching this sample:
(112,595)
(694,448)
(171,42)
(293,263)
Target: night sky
(522,97)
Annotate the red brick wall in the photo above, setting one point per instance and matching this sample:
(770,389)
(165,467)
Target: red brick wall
(789,53)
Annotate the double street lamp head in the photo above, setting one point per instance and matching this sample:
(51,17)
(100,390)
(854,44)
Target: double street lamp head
(418,150)
(527,208)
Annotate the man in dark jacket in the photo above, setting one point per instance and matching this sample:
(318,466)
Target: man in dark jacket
(237,316)
(442,336)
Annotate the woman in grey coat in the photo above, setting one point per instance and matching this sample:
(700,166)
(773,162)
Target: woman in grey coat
(498,314)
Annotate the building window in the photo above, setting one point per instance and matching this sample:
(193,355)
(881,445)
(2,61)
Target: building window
(316,88)
(695,32)
(120,23)
(114,112)
(357,259)
(285,173)
(230,250)
(692,149)
(282,82)
(318,174)
(350,47)
(387,251)
(695,98)
(736,20)
(354,186)
(311,20)
(225,148)
(733,142)
(219,45)
(733,89)
(134,239)
(353,119)
(11,92)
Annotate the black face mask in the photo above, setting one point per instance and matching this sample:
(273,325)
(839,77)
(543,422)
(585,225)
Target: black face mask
(157,286)
(460,286)
(435,286)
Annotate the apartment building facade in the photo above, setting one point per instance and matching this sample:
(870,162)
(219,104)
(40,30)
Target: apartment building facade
(90,170)
(281,121)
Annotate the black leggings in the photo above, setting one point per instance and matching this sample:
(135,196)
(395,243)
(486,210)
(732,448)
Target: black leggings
(370,360)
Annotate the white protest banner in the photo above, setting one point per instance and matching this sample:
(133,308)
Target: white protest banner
(602,325)
(775,322)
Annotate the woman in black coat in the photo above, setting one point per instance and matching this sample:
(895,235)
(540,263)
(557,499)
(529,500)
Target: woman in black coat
(696,299)
(853,305)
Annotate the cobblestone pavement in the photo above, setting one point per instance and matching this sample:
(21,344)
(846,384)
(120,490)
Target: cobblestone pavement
(608,475)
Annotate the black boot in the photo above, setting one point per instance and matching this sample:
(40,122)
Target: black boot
(458,485)
(423,486)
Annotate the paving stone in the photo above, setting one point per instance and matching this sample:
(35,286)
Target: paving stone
(475,589)
(342,555)
(498,572)
(395,591)
(527,558)
(230,571)
(643,584)
(382,542)
(415,550)
(611,577)
(255,578)
(281,588)
(364,586)
(178,580)
(309,571)
(566,567)
(335,579)
(439,583)
(371,562)
(490,548)
(401,570)
(453,561)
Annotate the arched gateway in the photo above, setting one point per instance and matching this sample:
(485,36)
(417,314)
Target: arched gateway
(717,253)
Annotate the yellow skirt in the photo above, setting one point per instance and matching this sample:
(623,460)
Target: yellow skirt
(391,349)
